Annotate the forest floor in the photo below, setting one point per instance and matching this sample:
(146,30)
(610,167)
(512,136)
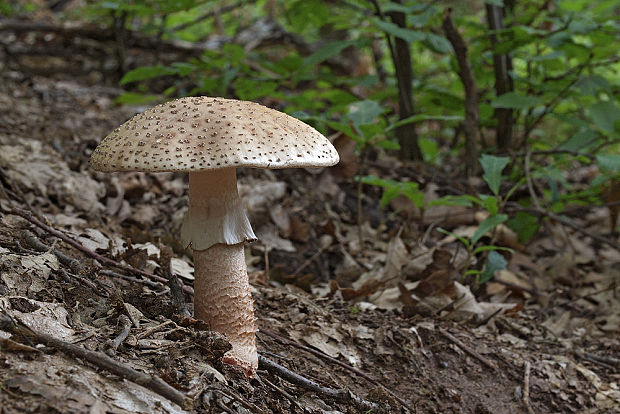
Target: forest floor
(386,319)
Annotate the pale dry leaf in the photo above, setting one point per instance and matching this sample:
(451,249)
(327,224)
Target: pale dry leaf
(397,256)
(94,239)
(35,168)
(558,325)
(182,269)
(390,298)
(47,318)
(268,235)
(29,273)
(279,215)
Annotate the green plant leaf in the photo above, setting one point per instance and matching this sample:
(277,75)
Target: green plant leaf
(604,115)
(487,225)
(390,28)
(495,263)
(364,112)
(147,72)
(524,224)
(580,140)
(331,49)
(609,162)
(493,167)
(438,44)
(451,200)
(460,238)
(388,144)
(481,249)
(423,117)
(393,189)
(132,98)
(490,203)
(430,149)
(515,100)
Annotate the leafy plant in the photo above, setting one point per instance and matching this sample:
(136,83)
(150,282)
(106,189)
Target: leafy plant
(340,70)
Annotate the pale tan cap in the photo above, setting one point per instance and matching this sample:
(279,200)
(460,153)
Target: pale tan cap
(203,133)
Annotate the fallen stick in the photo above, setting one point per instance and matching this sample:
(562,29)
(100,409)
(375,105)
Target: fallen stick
(102,259)
(467,349)
(146,282)
(126,324)
(75,265)
(99,359)
(604,361)
(342,396)
(348,367)
(526,387)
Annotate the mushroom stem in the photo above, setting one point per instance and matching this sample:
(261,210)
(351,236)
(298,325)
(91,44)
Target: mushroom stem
(216,227)
(216,213)
(222,298)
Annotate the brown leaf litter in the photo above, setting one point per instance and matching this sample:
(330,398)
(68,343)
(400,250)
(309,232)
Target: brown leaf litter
(387,317)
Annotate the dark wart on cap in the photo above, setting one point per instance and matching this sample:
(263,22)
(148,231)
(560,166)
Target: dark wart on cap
(202,133)
(209,138)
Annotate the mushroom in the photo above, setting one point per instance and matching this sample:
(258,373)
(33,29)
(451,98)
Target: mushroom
(210,138)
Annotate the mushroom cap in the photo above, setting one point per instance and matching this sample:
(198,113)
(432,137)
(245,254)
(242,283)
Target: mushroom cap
(204,133)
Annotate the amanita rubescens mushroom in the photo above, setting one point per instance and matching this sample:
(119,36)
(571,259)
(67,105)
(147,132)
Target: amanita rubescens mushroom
(209,138)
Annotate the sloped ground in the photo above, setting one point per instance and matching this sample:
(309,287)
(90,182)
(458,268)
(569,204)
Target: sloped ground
(331,309)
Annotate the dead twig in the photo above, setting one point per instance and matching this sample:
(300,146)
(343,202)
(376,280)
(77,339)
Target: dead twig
(126,324)
(102,259)
(467,349)
(288,396)
(286,341)
(146,282)
(309,260)
(342,396)
(99,359)
(540,211)
(466,74)
(208,15)
(235,397)
(526,387)
(85,281)
(70,262)
(605,361)
(154,329)
(39,246)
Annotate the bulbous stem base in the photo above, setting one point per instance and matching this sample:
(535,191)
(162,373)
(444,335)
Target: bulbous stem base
(222,298)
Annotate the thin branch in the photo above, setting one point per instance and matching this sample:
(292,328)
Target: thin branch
(529,126)
(539,211)
(146,282)
(208,15)
(526,387)
(342,396)
(286,341)
(120,338)
(530,186)
(99,359)
(102,259)
(466,74)
(39,246)
(467,349)
(606,361)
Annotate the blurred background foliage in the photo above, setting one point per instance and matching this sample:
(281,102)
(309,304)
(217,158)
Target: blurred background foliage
(534,83)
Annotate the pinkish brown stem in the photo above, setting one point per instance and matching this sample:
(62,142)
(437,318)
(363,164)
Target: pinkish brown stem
(222,299)
(216,228)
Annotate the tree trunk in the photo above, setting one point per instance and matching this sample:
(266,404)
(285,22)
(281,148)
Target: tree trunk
(502,65)
(466,74)
(401,55)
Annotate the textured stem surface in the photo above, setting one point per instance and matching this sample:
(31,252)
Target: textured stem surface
(222,299)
